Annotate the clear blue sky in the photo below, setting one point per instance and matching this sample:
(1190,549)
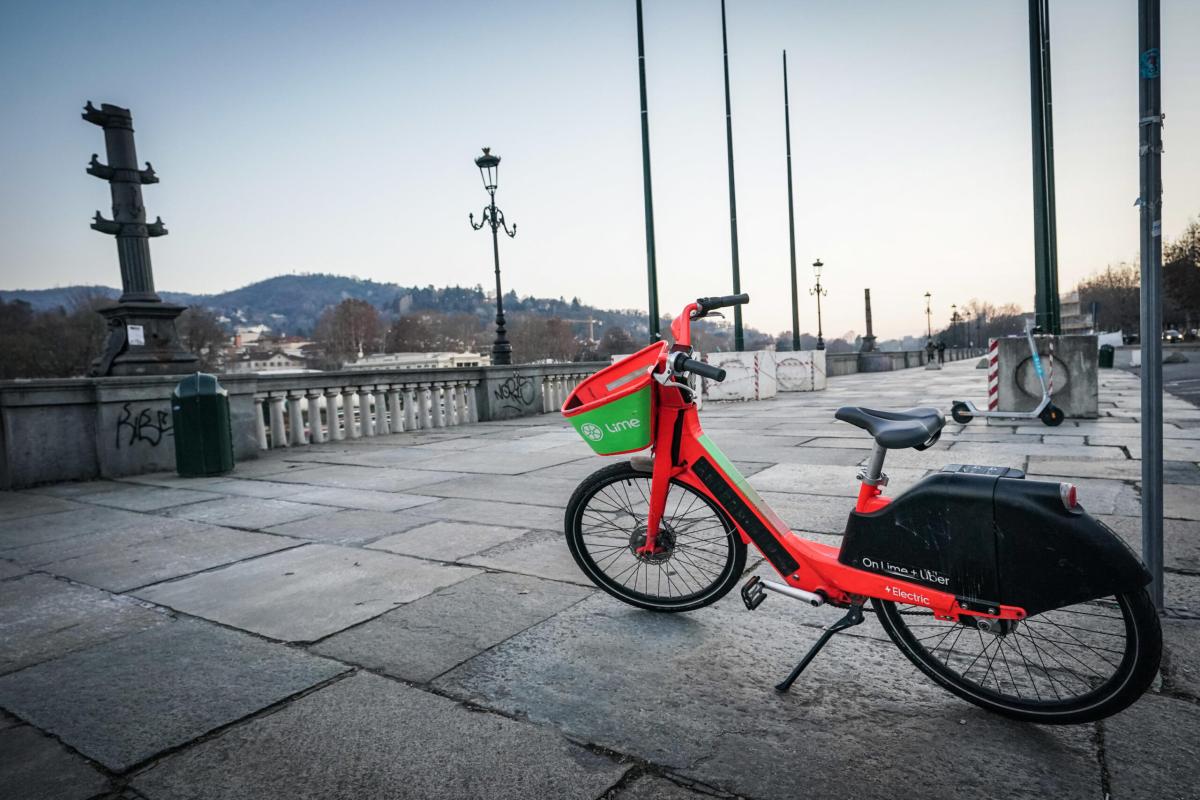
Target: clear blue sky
(339,137)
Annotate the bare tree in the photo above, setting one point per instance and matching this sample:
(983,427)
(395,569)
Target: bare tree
(203,335)
(349,328)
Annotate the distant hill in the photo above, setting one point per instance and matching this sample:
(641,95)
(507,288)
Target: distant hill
(292,303)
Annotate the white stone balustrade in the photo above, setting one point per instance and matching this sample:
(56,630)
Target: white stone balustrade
(316,408)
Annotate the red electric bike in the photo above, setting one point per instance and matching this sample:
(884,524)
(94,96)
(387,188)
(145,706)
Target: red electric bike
(1002,590)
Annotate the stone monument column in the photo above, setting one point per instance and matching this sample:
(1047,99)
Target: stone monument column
(142,339)
(868,341)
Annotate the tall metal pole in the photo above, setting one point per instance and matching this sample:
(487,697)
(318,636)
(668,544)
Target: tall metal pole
(1055,322)
(651,262)
(501,348)
(787,134)
(739,340)
(928,317)
(1045,281)
(1150,201)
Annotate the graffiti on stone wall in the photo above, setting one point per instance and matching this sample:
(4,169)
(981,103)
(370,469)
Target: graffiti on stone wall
(515,395)
(146,425)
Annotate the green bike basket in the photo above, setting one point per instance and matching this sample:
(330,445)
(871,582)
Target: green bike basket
(613,410)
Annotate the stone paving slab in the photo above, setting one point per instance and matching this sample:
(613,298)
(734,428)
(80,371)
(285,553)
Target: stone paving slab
(349,527)
(369,737)
(429,636)
(352,476)
(43,618)
(123,701)
(74,489)
(501,511)
(1151,750)
(35,767)
(248,513)
(1181,540)
(447,541)
(62,525)
(1181,502)
(544,488)
(1181,670)
(694,693)
(10,569)
(812,479)
(126,559)
(363,499)
(146,498)
(247,487)
(307,593)
(19,505)
(542,554)
(653,787)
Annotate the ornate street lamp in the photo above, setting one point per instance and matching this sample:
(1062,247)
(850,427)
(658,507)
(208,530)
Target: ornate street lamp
(953,324)
(489,169)
(819,293)
(928,318)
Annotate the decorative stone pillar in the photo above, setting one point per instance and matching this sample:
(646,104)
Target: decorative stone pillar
(437,402)
(331,414)
(410,408)
(295,419)
(473,395)
(382,426)
(462,413)
(260,427)
(393,401)
(315,434)
(278,431)
(349,406)
(452,403)
(424,406)
(365,421)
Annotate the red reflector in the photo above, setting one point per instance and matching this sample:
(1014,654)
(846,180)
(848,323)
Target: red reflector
(1069,499)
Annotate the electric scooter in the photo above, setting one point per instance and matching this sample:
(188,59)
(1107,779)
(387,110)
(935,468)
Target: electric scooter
(963,412)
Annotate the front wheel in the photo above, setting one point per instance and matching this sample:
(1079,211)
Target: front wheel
(961,413)
(1070,665)
(698,555)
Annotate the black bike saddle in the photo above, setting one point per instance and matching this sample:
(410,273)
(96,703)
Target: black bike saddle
(896,429)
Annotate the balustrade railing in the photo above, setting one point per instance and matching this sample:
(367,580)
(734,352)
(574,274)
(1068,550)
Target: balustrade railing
(313,408)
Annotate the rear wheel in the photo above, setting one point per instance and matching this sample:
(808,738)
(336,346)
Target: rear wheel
(1052,415)
(1071,665)
(961,413)
(698,556)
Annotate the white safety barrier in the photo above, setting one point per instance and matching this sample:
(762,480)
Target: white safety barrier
(802,371)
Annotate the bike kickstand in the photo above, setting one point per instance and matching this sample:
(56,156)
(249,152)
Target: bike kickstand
(853,617)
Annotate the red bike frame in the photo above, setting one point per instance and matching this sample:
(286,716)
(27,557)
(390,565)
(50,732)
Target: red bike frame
(684,453)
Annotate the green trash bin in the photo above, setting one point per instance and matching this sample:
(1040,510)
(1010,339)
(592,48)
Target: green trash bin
(1106,356)
(203,434)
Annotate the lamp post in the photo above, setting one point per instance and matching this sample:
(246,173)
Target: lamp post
(818,292)
(953,324)
(928,318)
(489,168)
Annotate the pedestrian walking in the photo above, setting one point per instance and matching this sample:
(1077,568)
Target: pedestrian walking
(941,347)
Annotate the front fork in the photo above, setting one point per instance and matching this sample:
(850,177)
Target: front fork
(660,484)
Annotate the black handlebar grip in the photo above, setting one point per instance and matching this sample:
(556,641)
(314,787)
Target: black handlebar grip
(711,303)
(700,368)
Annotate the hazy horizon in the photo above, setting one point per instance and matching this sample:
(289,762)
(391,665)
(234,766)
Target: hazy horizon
(299,137)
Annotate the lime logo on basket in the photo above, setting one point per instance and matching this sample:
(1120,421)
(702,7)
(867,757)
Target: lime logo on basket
(591,431)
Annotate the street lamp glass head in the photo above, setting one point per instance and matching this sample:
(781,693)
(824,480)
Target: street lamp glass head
(817,265)
(489,169)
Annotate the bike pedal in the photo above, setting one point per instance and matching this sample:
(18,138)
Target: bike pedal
(753,593)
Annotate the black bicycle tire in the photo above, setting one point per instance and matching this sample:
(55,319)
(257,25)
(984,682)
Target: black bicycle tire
(572,529)
(1128,684)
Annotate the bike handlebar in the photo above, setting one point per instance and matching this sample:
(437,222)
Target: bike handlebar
(685,364)
(708,304)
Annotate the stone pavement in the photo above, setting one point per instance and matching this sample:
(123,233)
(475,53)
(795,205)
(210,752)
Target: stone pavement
(399,617)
